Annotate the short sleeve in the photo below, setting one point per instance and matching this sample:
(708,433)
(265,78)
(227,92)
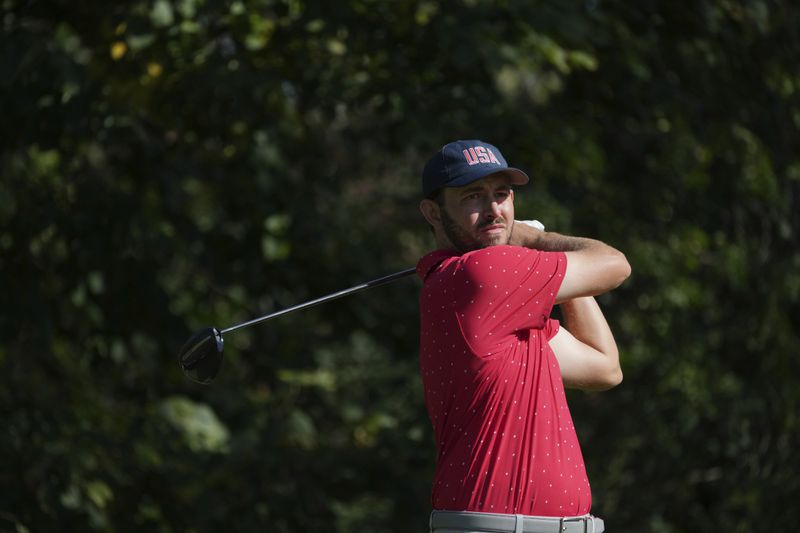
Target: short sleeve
(551,328)
(508,289)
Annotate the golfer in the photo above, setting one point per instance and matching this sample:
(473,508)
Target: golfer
(494,365)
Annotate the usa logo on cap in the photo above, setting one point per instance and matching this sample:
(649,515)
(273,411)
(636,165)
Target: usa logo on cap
(460,163)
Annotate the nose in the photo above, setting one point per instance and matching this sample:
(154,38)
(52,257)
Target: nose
(492,209)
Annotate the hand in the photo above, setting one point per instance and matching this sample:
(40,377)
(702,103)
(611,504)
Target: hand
(533,223)
(526,232)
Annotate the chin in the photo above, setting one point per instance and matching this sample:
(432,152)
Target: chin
(496,241)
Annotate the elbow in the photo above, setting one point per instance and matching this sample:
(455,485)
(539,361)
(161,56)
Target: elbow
(608,379)
(614,379)
(607,382)
(621,268)
(613,374)
(625,267)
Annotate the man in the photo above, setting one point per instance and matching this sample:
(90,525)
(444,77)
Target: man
(493,363)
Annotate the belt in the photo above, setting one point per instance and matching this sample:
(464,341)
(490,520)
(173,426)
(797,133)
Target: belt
(472,522)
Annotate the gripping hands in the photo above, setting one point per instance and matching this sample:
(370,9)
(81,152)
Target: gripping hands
(533,223)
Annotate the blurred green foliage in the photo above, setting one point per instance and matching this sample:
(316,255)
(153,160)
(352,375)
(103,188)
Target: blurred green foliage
(172,164)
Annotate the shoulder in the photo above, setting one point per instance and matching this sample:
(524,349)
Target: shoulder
(504,261)
(506,255)
(513,266)
(431,261)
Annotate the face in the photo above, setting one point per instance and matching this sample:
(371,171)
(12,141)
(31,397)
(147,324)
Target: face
(480,214)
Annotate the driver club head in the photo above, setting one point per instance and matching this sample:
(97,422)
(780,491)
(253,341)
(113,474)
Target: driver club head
(200,357)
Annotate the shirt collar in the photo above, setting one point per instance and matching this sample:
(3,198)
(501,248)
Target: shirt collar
(431,260)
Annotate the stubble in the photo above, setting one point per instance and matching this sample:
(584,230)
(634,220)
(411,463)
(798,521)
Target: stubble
(465,242)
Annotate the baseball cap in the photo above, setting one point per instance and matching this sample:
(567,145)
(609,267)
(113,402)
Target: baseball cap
(461,162)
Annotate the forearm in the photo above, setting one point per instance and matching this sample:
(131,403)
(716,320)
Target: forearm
(584,347)
(549,241)
(583,318)
(593,266)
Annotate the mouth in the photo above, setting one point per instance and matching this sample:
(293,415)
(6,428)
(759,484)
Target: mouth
(492,229)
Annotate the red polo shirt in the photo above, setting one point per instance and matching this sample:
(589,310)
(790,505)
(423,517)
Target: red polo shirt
(493,388)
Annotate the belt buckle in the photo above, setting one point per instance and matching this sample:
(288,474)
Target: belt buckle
(564,520)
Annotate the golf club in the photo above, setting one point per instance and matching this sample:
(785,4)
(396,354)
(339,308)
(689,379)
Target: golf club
(200,357)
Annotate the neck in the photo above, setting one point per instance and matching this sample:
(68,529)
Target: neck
(443,243)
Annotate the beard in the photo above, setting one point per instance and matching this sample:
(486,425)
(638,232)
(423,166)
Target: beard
(464,241)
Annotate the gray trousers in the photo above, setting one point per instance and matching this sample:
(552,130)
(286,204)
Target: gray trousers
(472,522)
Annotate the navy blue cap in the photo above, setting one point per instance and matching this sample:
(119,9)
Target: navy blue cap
(461,162)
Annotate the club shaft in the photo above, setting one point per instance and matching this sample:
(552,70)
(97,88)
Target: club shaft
(323,299)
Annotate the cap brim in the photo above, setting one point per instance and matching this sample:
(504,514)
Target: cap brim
(517,176)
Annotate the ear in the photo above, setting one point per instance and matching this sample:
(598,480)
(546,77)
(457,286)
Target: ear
(431,211)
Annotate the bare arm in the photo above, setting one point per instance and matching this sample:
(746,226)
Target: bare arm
(585,347)
(593,267)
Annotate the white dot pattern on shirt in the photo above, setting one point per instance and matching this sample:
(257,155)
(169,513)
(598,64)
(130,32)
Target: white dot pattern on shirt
(482,497)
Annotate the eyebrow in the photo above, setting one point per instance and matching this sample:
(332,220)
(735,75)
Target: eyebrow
(478,188)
